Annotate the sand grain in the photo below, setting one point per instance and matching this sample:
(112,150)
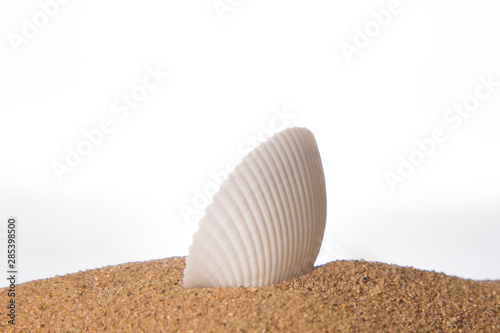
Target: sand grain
(338,297)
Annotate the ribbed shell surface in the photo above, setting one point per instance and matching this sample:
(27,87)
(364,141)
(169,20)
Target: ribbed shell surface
(266,222)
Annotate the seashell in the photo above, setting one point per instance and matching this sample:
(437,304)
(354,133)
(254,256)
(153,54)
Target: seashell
(266,222)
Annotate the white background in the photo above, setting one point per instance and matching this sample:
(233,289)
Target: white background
(227,79)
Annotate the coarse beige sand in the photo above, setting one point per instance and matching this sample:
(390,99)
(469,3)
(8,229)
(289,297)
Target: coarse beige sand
(342,296)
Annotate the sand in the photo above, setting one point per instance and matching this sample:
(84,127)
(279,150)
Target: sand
(342,296)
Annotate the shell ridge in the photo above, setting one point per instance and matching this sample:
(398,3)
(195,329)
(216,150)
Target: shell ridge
(297,204)
(289,197)
(242,228)
(285,211)
(266,222)
(320,193)
(251,221)
(300,173)
(310,184)
(230,271)
(201,280)
(211,219)
(258,194)
(293,193)
(275,210)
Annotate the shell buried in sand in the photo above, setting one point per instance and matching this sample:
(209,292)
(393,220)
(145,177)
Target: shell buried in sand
(266,222)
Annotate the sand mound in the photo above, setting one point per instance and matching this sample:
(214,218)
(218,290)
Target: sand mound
(339,296)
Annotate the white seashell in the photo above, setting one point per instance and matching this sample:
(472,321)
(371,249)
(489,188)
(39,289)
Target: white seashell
(266,223)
